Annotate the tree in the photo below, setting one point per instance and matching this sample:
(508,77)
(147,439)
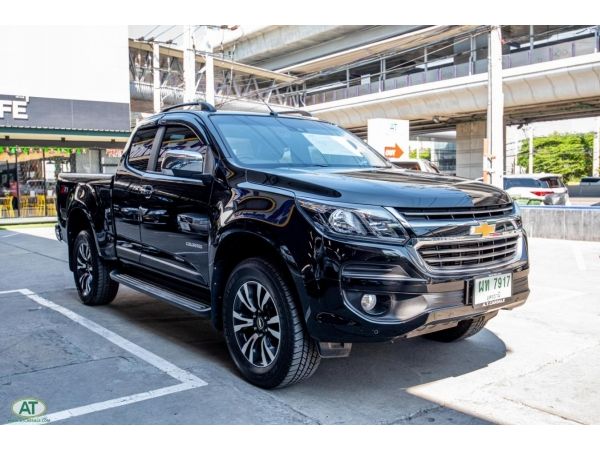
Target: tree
(569,155)
(424,153)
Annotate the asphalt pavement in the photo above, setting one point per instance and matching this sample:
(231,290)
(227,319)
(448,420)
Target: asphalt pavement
(138,361)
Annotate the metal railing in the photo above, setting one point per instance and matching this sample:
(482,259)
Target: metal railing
(517,58)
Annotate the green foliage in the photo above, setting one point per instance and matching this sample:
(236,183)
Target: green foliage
(569,155)
(424,153)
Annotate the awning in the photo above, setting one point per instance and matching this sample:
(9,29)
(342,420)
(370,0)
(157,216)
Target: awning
(398,43)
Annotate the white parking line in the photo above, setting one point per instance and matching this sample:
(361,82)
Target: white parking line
(576,250)
(187,379)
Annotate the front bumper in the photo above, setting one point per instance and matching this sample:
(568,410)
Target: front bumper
(418,300)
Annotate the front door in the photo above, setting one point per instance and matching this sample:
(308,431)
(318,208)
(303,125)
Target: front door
(175,215)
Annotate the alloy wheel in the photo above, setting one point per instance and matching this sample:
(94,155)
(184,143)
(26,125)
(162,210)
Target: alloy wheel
(85,275)
(256,324)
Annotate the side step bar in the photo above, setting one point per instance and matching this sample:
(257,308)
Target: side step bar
(160,293)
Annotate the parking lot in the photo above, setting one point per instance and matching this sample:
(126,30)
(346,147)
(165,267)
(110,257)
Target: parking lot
(138,361)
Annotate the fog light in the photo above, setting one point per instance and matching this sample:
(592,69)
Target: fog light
(368,302)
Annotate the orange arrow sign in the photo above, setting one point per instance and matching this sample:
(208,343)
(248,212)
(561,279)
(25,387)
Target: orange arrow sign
(393,152)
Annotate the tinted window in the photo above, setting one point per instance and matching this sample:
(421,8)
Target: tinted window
(141,146)
(179,138)
(266,141)
(523,182)
(553,182)
(590,180)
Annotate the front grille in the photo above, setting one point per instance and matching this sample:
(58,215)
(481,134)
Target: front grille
(468,253)
(476,212)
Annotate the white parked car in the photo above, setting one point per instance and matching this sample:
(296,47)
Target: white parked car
(419,164)
(537,189)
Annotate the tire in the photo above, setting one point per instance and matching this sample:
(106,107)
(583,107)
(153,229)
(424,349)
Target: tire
(91,274)
(269,345)
(463,330)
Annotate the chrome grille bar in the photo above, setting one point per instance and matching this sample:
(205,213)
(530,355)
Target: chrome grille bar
(467,249)
(469,258)
(457,253)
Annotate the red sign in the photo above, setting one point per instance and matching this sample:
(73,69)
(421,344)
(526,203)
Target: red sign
(114,152)
(393,152)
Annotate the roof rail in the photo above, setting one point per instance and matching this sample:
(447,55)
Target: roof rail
(204,106)
(296,111)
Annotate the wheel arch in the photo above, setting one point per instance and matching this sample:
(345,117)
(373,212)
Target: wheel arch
(78,220)
(237,246)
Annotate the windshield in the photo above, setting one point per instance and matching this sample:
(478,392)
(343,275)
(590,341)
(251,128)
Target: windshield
(266,141)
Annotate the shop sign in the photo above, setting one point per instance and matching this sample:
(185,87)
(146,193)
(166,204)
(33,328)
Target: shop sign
(17,108)
(114,152)
(62,113)
(26,150)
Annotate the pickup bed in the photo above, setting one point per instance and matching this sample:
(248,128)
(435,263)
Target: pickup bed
(293,237)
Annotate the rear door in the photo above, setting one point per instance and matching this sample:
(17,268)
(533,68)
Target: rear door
(175,215)
(127,194)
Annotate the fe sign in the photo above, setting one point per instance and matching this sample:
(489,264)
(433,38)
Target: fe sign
(17,108)
(389,137)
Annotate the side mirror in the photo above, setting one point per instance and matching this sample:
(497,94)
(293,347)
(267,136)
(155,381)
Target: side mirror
(182,164)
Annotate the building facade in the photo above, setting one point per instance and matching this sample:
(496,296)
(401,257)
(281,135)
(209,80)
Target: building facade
(64,107)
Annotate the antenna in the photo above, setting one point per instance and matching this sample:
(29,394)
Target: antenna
(273,112)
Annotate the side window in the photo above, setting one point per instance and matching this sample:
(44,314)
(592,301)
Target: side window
(141,147)
(179,138)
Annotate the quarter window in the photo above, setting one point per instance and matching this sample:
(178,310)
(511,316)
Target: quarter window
(141,146)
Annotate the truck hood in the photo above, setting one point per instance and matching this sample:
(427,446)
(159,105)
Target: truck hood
(382,187)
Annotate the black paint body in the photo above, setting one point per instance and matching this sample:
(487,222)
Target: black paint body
(188,234)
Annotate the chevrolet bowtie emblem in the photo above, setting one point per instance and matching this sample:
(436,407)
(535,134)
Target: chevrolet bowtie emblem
(484,229)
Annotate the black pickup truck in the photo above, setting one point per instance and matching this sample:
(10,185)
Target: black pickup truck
(293,236)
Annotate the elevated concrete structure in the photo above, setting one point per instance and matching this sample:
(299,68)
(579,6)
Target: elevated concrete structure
(551,87)
(469,148)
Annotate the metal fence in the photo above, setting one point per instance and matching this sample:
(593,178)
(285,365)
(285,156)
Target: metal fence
(555,52)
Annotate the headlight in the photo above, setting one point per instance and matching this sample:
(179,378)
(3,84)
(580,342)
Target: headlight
(364,221)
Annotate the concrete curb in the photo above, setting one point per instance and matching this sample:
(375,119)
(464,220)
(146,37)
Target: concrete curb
(28,220)
(557,222)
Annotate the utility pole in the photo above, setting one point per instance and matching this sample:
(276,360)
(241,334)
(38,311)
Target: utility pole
(493,160)
(530,132)
(189,66)
(596,152)
(205,45)
(156,77)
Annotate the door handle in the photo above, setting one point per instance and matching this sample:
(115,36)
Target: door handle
(146,190)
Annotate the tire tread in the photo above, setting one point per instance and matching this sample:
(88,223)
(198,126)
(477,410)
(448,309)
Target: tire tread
(305,357)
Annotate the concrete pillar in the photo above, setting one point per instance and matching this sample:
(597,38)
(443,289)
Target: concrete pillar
(156,77)
(494,160)
(596,150)
(469,148)
(189,66)
(205,45)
